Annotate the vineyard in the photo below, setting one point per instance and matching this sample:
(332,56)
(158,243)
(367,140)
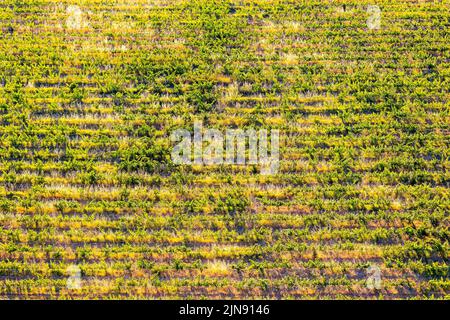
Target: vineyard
(91,90)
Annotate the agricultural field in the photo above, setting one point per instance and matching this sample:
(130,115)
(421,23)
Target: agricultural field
(93,207)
